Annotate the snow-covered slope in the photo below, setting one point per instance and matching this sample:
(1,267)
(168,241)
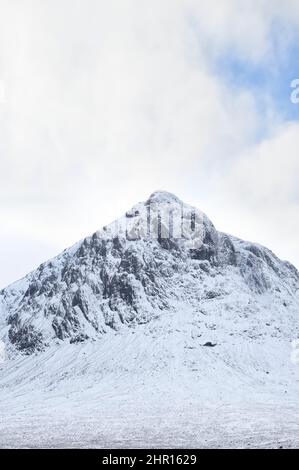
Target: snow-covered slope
(137,318)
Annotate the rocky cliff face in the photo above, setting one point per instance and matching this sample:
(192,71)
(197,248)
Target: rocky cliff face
(160,254)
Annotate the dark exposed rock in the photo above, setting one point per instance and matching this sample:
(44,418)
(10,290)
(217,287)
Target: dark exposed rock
(32,289)
(211,294)
(168,244)
(26,338)
(80,338)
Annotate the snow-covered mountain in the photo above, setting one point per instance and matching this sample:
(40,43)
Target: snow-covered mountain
(115,280)
(158,311)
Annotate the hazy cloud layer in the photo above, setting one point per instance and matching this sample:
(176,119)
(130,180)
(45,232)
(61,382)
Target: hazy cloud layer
(107,101)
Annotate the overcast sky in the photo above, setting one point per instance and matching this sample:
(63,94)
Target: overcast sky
(103,102)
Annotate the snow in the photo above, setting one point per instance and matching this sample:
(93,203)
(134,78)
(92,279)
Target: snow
(106,345)
(158,386)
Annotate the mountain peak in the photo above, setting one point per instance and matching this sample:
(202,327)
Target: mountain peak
(163,197)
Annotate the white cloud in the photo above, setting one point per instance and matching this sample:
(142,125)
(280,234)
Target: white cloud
(260,192)
(268,173)
(246,28)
